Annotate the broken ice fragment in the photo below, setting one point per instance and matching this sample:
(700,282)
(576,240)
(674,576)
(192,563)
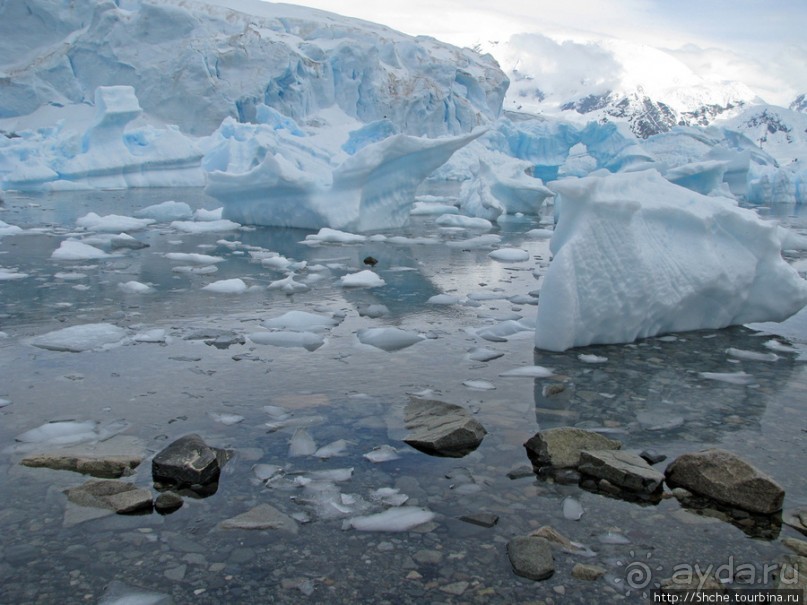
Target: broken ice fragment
(396,519)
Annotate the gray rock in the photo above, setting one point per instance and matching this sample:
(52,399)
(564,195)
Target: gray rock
(624,469)
(481,519)
(792,576)
(168,502)
(582,571)
(560,447)
(726,478)
(797,546)
(118,496)
(531,557)
(188,461)
(110,459)
(652,456)
(442,429)
(797,519)
(262,516)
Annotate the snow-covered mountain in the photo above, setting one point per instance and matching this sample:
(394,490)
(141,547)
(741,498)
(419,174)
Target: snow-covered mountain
(780,132)
(613,80)
(193,63)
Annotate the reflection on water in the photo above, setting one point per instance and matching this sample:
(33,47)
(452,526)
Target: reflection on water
(650,394)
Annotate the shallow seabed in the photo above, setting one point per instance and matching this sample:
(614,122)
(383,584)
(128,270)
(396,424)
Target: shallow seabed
(648,394)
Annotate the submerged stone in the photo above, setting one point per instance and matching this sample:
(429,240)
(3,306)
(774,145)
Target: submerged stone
(625,470)
(118,496)
(531,557)
(442,429)
(560,447)
(110,459)
(725,477)
(188,461)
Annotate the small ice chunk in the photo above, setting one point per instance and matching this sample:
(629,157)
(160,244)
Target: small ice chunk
(284,338)
(483,354)
(135,287)
(277,412)
(443,299)
(265,472)
(540,233)
(479,385)
(503,329)
(301,321)
(4,402)
(334,236)
(775,345)
(301,444)
(740,378)
(389,495)
(166,212)
(396,519)
(61,433)
(205,270)
(362,279)
(194,258)
(588,358)
(510,255)
(157,335)
(6,229)
(76,339)
(373,311)
(112,223)
(11,274)
(74,250)
(126,241)
(227,286)
(118,593)
(612,537)
(529,372)
(288,285)
(464,222)
(382,453)
(572,509)
(226,419)
(205,226)
(751,355)
(209,215)
(388,339)
(480,242)
(335,448)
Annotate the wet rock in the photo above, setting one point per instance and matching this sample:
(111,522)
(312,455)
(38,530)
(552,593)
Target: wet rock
(726,478)
(110,459)
(262,516)
(692,581)
(797,519)
(118,496)
(550,534)
(531,557)
(560,447)
(582,571)
(168,502)
(188,461)
(441,429)
(481,519)
(797,546)
(652,456)
(792,576)
(623,469)
(520,473)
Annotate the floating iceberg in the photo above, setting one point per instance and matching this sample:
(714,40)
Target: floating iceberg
(269,176)
(636,256)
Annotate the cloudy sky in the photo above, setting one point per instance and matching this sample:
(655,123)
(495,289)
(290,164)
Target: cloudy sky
(760,42)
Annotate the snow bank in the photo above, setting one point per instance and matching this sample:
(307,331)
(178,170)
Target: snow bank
(636,256)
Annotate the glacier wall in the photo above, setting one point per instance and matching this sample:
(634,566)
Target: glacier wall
(195,63)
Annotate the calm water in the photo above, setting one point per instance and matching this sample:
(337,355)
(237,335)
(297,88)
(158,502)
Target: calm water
(648,394)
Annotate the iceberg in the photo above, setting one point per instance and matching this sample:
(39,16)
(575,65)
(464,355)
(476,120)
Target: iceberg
(637,256)
(268,176)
